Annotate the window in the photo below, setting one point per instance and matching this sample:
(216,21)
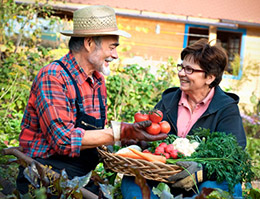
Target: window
(231,39)
(196,34)
(233,42)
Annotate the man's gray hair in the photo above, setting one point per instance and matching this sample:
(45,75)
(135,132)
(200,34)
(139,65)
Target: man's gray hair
(76,43)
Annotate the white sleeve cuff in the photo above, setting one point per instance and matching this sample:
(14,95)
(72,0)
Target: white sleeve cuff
(116,126)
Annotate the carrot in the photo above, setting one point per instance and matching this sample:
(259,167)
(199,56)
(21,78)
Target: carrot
(129,154)
(150,157)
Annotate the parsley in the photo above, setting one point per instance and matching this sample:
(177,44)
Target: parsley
(220,154)
(223,157)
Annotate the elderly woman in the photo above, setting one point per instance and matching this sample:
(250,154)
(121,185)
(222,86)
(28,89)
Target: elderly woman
(198,102)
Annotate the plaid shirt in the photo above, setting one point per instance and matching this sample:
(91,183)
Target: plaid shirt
(50,115)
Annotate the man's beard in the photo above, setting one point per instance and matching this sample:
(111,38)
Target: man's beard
(106,69)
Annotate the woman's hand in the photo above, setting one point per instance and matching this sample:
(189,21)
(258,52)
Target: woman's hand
(186,179)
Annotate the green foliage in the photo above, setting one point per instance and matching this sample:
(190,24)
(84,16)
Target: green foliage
(216,194)
(235,65)
(254,151)
(21,57)
(20,24)
(235,166)
(44,184)
(250,72)
(250,193)
(251,123)
(222,157)
(133,89)
(163,191)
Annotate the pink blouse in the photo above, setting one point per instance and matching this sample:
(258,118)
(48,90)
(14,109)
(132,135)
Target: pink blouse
(187,118)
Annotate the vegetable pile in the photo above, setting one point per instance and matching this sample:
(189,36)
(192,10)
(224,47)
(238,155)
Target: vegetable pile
(222,158)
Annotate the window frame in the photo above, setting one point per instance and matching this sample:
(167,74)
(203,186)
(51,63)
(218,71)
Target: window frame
(242,48)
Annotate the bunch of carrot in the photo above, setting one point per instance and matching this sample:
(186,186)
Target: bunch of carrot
(135,154)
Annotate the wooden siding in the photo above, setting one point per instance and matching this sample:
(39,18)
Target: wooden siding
(253,44)
(149,45)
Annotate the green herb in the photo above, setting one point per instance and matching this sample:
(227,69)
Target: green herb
(221,156)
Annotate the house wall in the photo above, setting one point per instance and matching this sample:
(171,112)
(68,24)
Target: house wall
(145,42)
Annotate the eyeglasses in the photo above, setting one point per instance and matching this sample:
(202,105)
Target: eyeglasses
(188,70)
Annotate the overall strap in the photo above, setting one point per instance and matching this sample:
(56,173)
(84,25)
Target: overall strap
(102,107)
(79,104)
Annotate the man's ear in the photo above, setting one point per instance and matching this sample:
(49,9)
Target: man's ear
(88,43)
(210,79)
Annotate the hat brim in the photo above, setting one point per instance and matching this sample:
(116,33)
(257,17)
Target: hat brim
(117,32)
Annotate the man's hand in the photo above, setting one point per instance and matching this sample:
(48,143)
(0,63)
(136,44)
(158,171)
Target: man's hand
(135,131)
(186,179)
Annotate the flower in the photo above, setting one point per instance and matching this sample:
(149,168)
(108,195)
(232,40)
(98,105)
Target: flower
(252,119)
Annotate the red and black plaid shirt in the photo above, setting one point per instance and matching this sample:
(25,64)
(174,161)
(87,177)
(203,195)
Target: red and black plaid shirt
(50,115)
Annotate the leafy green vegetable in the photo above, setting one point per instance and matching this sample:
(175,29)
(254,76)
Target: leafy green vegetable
(163,191)
(222,157)
(216,194)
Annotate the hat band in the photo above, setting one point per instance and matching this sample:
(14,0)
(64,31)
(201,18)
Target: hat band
(94,30)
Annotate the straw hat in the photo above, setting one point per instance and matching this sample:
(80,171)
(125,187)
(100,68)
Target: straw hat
(94,21)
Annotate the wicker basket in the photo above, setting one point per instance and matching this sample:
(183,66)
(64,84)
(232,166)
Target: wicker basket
(151,171)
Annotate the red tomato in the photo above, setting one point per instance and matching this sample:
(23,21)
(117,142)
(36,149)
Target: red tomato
(139,117)
(156,116)
(154,129)
(165,127)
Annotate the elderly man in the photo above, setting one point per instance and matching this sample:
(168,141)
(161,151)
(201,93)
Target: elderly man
(66,113)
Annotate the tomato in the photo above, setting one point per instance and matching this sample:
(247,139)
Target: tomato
(156,116)
(139,117)
(165,127)
(154,129)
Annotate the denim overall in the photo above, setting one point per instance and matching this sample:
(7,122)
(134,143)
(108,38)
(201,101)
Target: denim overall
(88,159)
